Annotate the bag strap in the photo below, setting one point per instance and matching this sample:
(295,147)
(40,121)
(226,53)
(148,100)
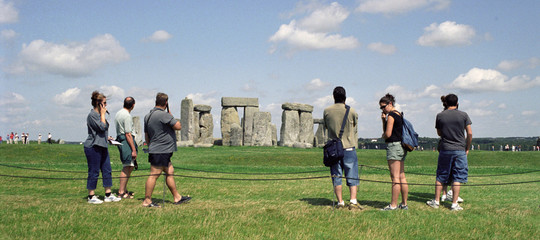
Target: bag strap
(344,121)
(148,120)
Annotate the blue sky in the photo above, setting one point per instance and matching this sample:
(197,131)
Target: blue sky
(53,54)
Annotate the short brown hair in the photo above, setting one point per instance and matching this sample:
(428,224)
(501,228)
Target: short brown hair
(161,99)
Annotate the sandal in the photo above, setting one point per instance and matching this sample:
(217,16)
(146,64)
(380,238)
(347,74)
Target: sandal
(152,205)
(184,199)
(125,195)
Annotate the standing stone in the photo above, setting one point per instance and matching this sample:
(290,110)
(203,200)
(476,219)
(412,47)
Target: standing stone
(262,129)
(229,116)
(236,135)
(320,136)
(207,128)
(274,134)
(306,128)
(290,128)
(248,124)
(196,127)
(139,135)
(186,119)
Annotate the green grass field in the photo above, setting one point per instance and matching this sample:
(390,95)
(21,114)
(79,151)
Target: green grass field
(52,204)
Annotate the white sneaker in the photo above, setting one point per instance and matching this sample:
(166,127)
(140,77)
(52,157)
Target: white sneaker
(112,198)
(433,203)
(94,200)
(450,197)
(444,198)
(456,207)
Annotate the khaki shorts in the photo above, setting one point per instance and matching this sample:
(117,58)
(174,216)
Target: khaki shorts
(394,151)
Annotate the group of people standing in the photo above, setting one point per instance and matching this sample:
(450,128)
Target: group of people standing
(159,130)
(13,138)
(452,168)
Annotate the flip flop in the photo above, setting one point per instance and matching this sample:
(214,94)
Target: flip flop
(152,205)
(125,195)
(184,199)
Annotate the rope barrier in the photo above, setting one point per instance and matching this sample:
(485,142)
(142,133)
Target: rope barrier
(278,173)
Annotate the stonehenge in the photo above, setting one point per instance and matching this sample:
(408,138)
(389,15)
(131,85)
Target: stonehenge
(297,125)
(197,125)
(253,128)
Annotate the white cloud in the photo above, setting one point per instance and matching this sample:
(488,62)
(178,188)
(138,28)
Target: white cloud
(158,36)
(479,112)
(11,98)
(491,80)
(8,13)
(314,31)
(400,6)
(447,34)
(209,98)
(508,65)
(382,48)
(323,102)
(67,97)
(502,106)
(72,59)
(528,113)
(403,94)
(324,19)
(8,35)
(316,85)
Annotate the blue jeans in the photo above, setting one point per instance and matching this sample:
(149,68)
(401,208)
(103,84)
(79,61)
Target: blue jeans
(98,159)
(349,164)
(452,167)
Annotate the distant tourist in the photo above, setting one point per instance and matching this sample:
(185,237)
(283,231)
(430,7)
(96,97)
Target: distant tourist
(95,149)
(392,124)
(39,139)
(348,166)
(49,138)
(16,138)
(160,128)
(452,167)
(128,149)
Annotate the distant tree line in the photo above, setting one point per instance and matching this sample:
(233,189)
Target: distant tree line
(486,144)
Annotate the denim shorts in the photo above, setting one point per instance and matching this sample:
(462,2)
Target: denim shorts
(159,159)
(349,164)
(394,151)
(452,167)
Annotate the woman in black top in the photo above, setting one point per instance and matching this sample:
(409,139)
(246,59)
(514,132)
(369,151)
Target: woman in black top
(395,154)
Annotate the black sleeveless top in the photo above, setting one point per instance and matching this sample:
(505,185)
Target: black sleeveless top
(397,130)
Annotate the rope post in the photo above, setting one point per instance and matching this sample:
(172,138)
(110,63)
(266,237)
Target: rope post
(359,177)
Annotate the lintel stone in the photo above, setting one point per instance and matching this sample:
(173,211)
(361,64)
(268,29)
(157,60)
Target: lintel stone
(239,102)
(297,107)
(202,108)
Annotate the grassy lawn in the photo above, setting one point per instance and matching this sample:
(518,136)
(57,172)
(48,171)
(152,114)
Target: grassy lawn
(226,205)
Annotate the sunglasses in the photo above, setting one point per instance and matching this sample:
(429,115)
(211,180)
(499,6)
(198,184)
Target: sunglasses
(382,107)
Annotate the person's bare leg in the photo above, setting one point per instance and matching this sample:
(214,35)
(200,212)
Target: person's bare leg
(150,184)
(171,183)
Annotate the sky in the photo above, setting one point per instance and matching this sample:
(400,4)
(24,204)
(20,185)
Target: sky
(53,54)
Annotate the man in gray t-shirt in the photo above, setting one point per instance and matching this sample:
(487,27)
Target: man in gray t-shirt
(452,166)
(160,135)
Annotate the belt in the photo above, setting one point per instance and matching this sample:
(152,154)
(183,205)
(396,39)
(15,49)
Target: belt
(349,149)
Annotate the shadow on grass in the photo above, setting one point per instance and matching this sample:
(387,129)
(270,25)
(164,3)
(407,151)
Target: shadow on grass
(318,201)
(421,197)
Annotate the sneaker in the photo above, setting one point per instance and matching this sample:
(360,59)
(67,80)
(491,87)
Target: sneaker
(450,197)
(339,206)
(444,198)
(389,208)
(94,200)
(432,203)
(356,206)
(403,207)
(456,207)
(112,198)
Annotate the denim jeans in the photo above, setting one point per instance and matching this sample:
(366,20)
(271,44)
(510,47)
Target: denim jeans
(349,164)
(98,159)
(452,167)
